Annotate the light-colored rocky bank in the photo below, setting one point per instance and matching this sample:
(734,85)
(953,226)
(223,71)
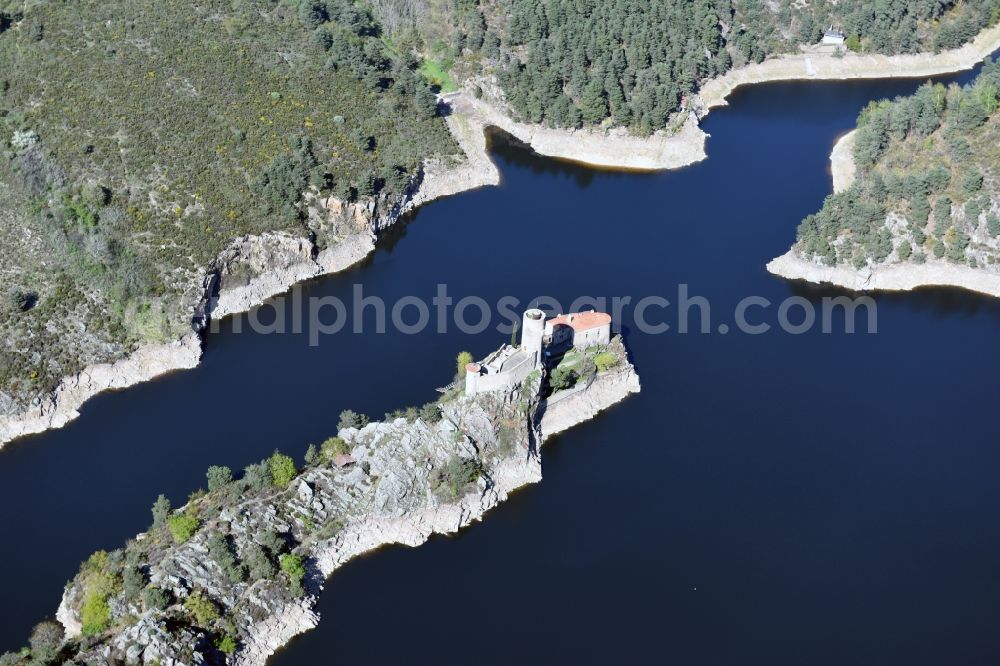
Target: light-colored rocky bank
(609,148)
(888,277)
(821,64)
(842,162)
(63,405)
(405,480)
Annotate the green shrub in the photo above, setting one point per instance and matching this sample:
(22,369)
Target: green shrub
(293,567)
(972,211)
(220,550)
(257,477)
(95,614)
(430,413)
(19,300)
(274,542)
(226,644)
(942,216)
(282,469)
(333,447)
(972,181)
(462,360)
(156,598)
(218,477)
(182,526)
(351,419)
(99,577)
(904,251)
(456,475)
(282,183)
(993,224)
(605,361)
(202,609)
(563,378)
(46,642)
(133,581)
(161,511)
(258,562)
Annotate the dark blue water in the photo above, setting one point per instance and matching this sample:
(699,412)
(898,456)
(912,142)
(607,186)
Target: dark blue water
(770,499)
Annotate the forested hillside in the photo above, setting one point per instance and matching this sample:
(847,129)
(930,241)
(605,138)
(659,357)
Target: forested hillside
(574,62)
(927,183)
(140,137)
(567,61)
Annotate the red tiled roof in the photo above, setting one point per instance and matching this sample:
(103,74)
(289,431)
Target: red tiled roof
(582,321)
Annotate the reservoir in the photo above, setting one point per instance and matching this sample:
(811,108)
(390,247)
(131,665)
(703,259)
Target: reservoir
(822,498)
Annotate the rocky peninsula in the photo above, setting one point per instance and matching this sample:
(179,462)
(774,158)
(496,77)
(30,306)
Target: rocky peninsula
(906,249)
(234,574)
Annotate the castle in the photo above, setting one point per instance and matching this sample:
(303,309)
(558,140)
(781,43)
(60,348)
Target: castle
(540,340)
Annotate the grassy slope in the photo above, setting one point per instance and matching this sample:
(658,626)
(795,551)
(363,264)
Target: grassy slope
(437,75)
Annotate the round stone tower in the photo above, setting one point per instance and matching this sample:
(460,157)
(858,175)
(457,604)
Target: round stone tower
(532,329)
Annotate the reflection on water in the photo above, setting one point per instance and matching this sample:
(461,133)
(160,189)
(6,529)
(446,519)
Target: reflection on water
(940,302)
(512,151)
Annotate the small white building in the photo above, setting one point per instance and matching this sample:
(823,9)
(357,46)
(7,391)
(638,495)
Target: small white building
(539,339)
(834,37)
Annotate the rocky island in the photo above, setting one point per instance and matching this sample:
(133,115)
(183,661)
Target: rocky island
(233,574)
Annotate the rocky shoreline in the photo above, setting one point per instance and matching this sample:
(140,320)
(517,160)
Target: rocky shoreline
(395,490)
(63,405)
(888,277)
